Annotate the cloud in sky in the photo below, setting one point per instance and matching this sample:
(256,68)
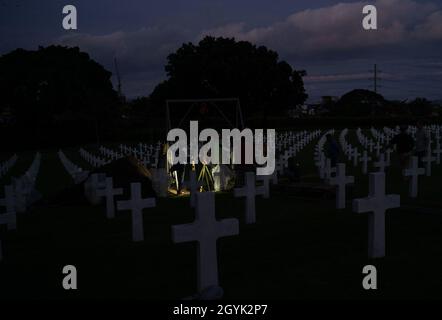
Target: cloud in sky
(344,77)
(146,47)
(406,27)
(338,28)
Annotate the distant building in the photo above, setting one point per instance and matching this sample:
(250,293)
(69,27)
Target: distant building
(301,111)
(313,109)
(329,99)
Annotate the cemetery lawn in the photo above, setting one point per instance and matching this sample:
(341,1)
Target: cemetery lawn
(298,249)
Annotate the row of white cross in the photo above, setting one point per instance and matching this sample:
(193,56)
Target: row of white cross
(93,160)
(377,203)
(76,172)
(413,171)
(325,168)
(353,154)
(111,154)
(433,155)
(205,229)
(370,144)
(290,138)
(25,184)
(147,154)
(289,145)
(7,165)
(16,195)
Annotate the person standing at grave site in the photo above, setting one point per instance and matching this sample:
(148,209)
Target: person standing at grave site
(422,142)
(404,146)
(162,156)
(177,171)
(332,150)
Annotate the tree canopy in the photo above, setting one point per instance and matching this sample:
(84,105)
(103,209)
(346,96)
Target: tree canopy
(55,83)
(361,102)
(225,68)
(420,107)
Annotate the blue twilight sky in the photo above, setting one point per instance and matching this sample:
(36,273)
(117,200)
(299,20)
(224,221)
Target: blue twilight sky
(324,37)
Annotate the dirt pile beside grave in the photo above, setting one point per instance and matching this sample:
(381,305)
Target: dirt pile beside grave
(124,171)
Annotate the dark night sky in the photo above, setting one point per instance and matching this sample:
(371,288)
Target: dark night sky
(324,38)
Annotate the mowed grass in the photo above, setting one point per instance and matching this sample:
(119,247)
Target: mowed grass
(298,249)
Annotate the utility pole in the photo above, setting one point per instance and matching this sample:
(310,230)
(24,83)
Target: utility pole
(119,90)
(376,78)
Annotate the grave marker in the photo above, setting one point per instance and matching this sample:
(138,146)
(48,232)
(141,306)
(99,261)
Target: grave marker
(341,181)
(109,193)
(377,203)
(414,172)
(428,160)
(205,230)
(365,159)
(249,191)
(136,204)
(266,184)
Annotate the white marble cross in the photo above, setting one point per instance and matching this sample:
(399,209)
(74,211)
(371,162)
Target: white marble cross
(370,145)
(365,159)
(109,193)
(378,149)
(381,163)
(377,202)
(341,181)
(249,191)
(349,152)
(136,204)
(414,172)
(388,153)
(355,156)
(206,230)
(428,159)
(266,184)
(95,182)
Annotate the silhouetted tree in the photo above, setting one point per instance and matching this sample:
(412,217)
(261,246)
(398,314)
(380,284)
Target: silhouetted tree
(220,67)
(420,107)
(361,103)
(55,83)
